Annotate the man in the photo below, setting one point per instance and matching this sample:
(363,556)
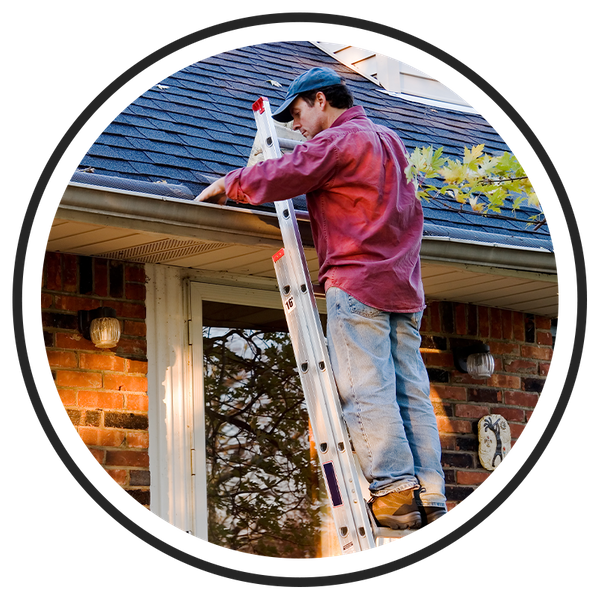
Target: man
(367,225)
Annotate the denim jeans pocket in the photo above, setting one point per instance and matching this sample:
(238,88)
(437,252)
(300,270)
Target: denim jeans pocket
(416,319)
(358,308)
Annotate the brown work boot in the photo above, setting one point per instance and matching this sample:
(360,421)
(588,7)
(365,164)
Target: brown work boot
(397,510)
(430,514)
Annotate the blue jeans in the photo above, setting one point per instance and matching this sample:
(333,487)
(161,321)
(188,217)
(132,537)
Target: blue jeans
(384,391)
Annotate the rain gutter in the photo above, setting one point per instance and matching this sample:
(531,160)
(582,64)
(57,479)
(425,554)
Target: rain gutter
(186,219)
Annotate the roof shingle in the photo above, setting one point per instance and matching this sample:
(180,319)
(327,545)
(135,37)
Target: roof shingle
(200,123)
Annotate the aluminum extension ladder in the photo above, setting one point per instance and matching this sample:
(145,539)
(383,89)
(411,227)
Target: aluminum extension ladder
(354,522)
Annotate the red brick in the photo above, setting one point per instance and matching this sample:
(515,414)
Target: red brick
(138,402)
(110,437)
(119,475)
(516,365)
(471,477)
(496,323)
(520,399)
(134,328)
(100,277)
(544,368)
(484,395)
(78,379)
(503,348)
(138,439)
(68,397)
(504,381)
(447,425)
(127,310)
(132,346)
(135,291)
(543,322)
(544,338)
(436,324)
(519,327)
(511,414)
(74,341)
(57,358)
(89,436)
(135,273)
(460,319)
(448,442)
(98,454)
(483,313)
(52,271)
(127,458)
(46,300)
(75,303)
(438,359)
(470,411)
(536,352)
(447,392)
(507,325)
(516,430)
(125,383)
(102,362)
(100,399)
(440,409)
(69,272)
(137,366)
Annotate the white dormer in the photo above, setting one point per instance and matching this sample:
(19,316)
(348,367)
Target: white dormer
(395,77)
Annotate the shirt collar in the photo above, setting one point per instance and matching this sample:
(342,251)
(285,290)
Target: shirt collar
(347,115)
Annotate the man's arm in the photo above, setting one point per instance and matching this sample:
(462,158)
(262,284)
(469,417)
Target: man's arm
(308,167)
(215,191)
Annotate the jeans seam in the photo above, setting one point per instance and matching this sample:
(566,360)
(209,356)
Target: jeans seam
(353,388)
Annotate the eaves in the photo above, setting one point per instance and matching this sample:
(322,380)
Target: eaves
(186,219)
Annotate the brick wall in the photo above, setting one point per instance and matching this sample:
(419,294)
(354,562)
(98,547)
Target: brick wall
(103,391)
(522,348)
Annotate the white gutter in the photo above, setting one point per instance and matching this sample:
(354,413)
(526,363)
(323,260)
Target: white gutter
(186,219)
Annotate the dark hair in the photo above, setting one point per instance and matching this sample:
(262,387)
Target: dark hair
(338,96)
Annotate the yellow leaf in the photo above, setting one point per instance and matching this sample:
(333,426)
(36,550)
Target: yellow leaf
(533,199)
(476,206)
(473,154)
(455,172)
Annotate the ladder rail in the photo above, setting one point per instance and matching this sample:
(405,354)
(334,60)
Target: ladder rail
(335,454)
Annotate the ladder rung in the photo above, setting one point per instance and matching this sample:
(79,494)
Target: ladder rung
(387,532)
(380,532)
(289,144)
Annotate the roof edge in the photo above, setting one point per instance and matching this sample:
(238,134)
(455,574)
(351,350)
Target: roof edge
(190,219)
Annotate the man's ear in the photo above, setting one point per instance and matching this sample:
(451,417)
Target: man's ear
(321,100)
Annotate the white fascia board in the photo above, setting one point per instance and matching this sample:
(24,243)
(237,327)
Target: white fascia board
(192,220)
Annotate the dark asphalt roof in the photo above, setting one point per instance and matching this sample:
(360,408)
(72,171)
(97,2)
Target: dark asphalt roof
(197,125)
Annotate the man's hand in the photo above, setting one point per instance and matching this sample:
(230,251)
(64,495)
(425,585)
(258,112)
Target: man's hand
(215,191)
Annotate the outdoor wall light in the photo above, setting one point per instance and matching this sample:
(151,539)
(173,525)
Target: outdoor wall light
(475,360)
(101,326)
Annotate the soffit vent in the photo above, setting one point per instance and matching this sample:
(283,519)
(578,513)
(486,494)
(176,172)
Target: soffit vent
(162,251)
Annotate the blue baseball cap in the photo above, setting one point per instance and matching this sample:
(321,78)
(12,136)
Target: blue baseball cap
(316,78)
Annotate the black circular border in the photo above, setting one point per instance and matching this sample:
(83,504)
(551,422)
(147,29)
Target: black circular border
(352,570)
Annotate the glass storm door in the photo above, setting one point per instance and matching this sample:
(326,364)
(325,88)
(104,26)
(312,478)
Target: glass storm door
(260,469)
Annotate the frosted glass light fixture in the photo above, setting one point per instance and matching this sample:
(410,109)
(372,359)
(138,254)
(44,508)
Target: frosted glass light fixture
(101,326)
(475,360)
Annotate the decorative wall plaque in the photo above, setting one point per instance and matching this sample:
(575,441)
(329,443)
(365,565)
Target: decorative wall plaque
(494,441)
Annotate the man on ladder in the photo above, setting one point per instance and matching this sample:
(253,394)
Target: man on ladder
(367,227)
